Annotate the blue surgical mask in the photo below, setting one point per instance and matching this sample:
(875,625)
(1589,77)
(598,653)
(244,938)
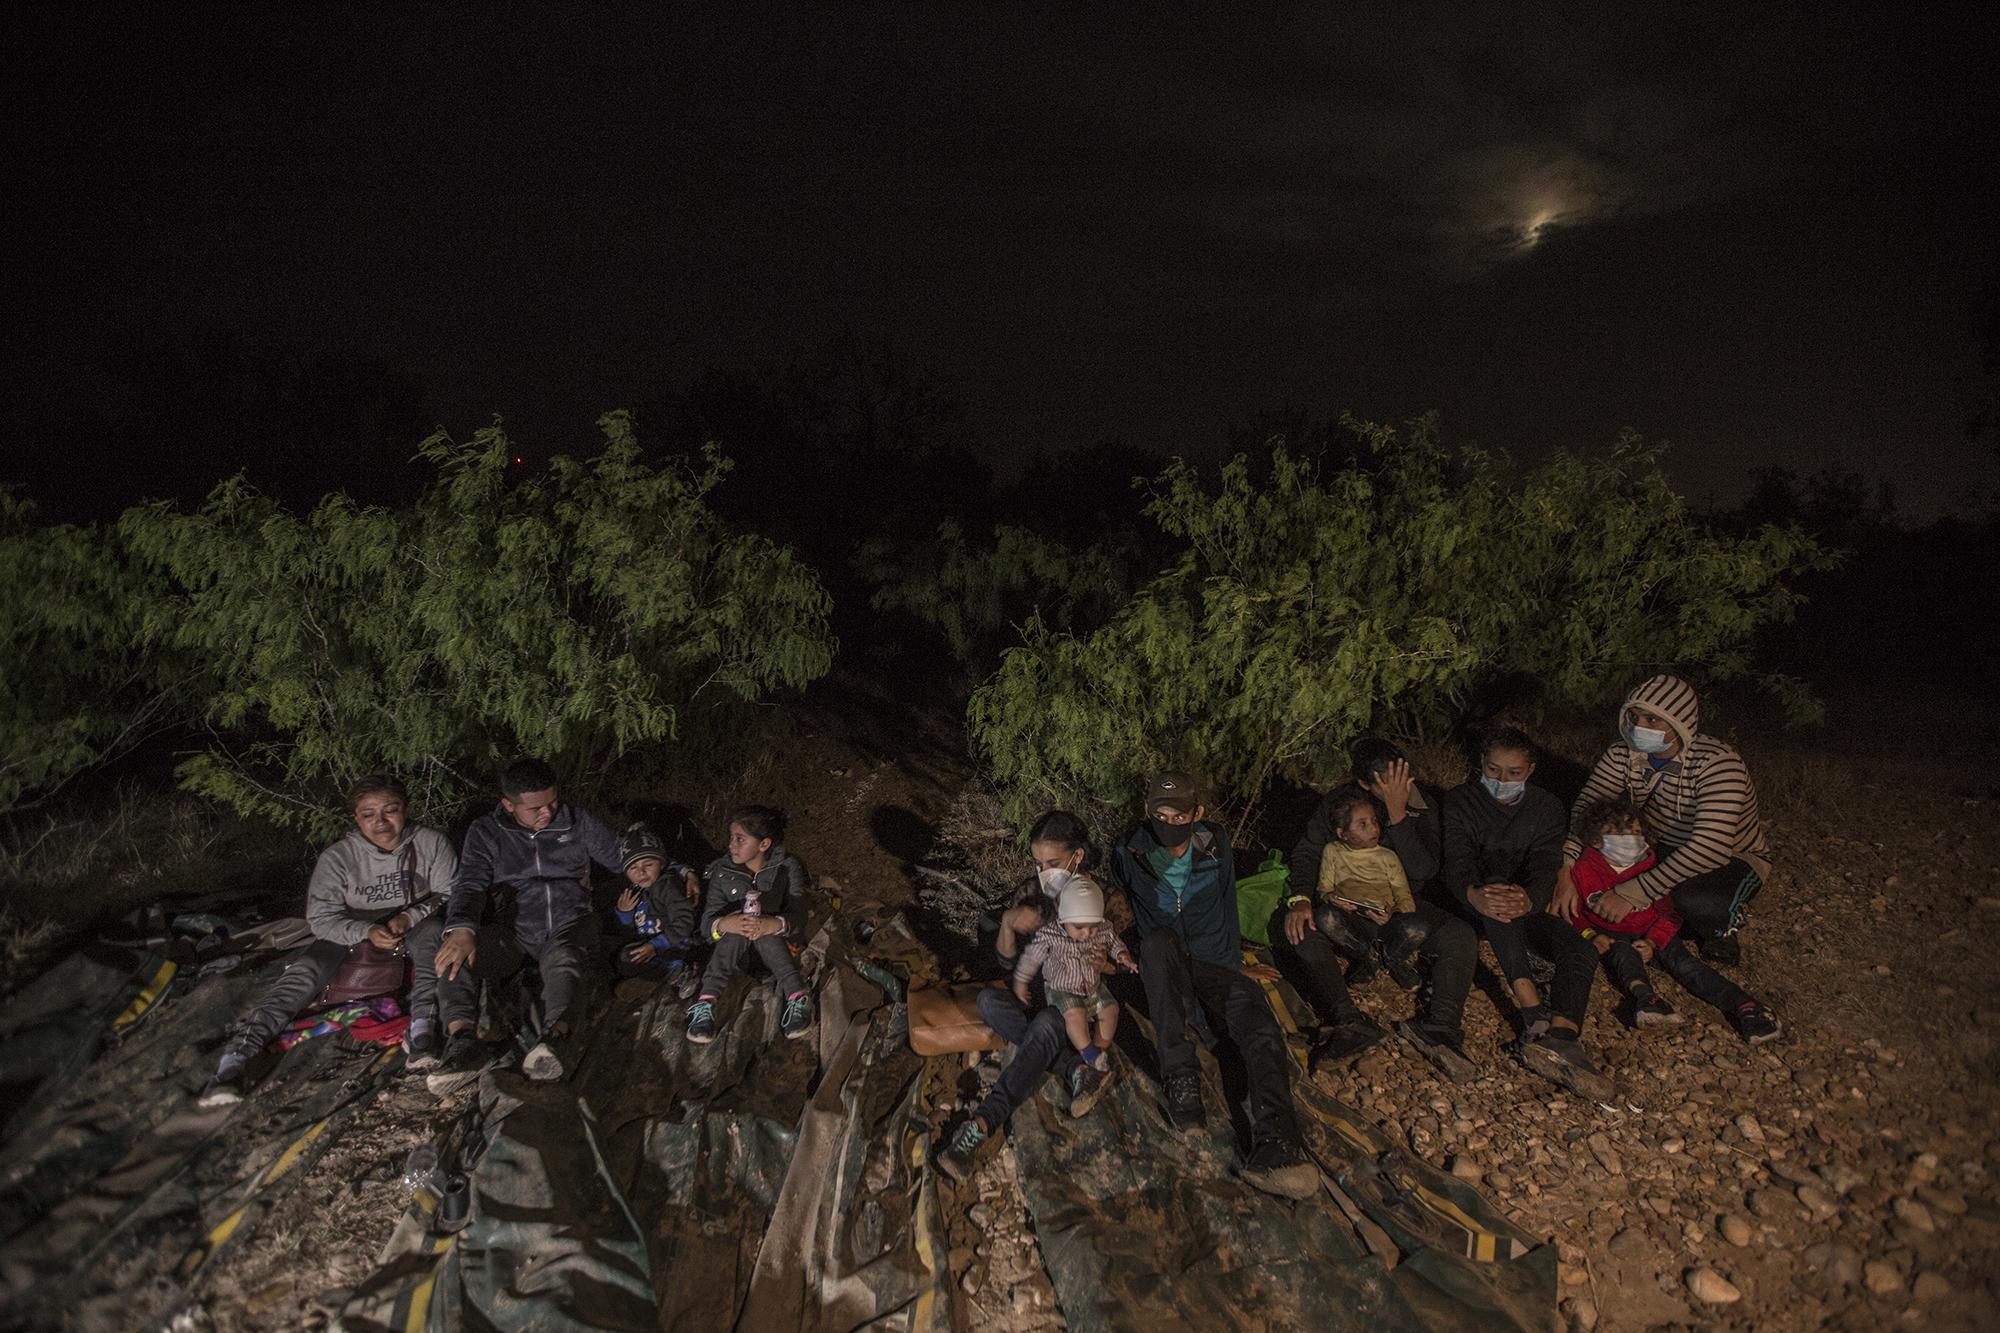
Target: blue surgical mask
(1624,849)
(1503,792)
(1646,740)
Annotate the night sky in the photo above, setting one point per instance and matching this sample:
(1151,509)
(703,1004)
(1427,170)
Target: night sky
(1760,237)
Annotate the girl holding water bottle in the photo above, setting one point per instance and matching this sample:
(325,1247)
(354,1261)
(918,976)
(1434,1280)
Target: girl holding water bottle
(753,906)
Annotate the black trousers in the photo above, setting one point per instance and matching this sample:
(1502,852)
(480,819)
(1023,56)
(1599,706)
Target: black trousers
(733,951)
(1556,940)
(1446,947)
(1712,904)
(1313,966)
(1175,983)
(1679,962)
(563,959)
(1041,1047)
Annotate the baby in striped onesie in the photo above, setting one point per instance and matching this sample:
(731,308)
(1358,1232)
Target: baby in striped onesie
(1070,953)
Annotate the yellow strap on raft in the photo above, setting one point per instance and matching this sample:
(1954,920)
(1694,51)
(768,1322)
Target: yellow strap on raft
(143,1002)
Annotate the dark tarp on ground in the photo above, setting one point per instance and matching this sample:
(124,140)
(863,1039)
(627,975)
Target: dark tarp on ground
(1142,1226)
(675,1186)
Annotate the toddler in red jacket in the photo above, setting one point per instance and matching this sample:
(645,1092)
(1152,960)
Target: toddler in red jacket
(1615,850)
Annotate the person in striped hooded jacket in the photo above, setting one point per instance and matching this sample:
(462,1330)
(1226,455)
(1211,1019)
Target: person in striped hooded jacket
(1700,813)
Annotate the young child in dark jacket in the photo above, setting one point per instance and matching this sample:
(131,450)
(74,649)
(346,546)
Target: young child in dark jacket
(658,905)
(754,905)
(1613,836)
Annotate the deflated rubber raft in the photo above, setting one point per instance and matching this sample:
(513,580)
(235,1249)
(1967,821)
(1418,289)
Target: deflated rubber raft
(674,1186)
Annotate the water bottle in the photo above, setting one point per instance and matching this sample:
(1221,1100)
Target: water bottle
(420,1167)
(751,907)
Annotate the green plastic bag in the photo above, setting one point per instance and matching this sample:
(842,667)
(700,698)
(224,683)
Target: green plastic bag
(1258,895)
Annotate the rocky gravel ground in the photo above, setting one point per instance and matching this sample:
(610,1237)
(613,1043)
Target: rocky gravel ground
(1846,1176)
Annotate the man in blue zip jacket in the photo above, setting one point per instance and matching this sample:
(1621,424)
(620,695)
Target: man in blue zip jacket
(1178,874)
(541,849)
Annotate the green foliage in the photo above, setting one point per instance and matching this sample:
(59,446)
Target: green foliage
(974,596)
(1304,609)
(572,615)
(74,692)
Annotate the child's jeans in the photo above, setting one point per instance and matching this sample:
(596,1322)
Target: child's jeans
(732,952)
(1677,961)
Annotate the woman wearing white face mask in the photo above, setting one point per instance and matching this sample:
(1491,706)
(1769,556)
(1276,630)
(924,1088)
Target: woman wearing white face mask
(1060,847)
(1700,811)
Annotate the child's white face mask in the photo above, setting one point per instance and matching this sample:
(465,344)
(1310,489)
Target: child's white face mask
(1053,879)
(1624,849)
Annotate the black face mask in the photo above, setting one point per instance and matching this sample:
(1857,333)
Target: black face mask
(1170,835)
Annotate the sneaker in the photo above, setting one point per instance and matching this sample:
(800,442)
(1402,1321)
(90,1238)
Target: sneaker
(1650,1011)
(1724,949)
(957,1157)
(546,1061)
(1343,1041)
(1278,1166)
(1757,1024)
(1563,1060)
(797,1019)
(1362,970)
(685,980)
(422,1051)
(1442,1045)
(1534,1023)
(225,1089)
(1087,1086)
(464,1057)
(1184,1101)
(701,1022)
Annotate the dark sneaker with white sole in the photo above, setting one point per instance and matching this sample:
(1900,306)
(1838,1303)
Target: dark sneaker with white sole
(958,1156)
(1342,1042)
(1443,1046)
(1757,1024)
(1279,1166)
(1563,1060)
(224,1089)
(1087,1086)
(423,1051)
(1184,1102)
(798,1016)
(465,1057)
(547,1060)
(701,1022)
(1650,1011)
(1724,949)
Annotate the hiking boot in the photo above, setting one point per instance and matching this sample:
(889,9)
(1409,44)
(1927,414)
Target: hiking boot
(1724,949)
(1343,1041)
(546,1062)
(798,1016)
(957,1157)
(1756,1024)
(1563,1060)
(1184,1101)
(1534,1023)
(422,1051)
(465,1055)
(1650,1011)
(1441,1044)
(1278,1166)
(701,1022)
(1087,1086)
(1362,970)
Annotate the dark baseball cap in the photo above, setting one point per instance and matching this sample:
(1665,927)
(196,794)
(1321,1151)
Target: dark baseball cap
(1172,791)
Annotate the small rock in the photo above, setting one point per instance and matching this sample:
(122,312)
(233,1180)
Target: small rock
(1582,1314)
(1881,1277)
(1838,1263)
(1943,1200)
(1467,1170)
(1747,1126)
(1734,1229)
(1772,1205)
(1818,1200)
(1841,1178)
(1793,1173)
(1631,1243)
(1672,1145)
(1931,1286)
(1600,1148)
(1915,1215)
(1709,1286)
